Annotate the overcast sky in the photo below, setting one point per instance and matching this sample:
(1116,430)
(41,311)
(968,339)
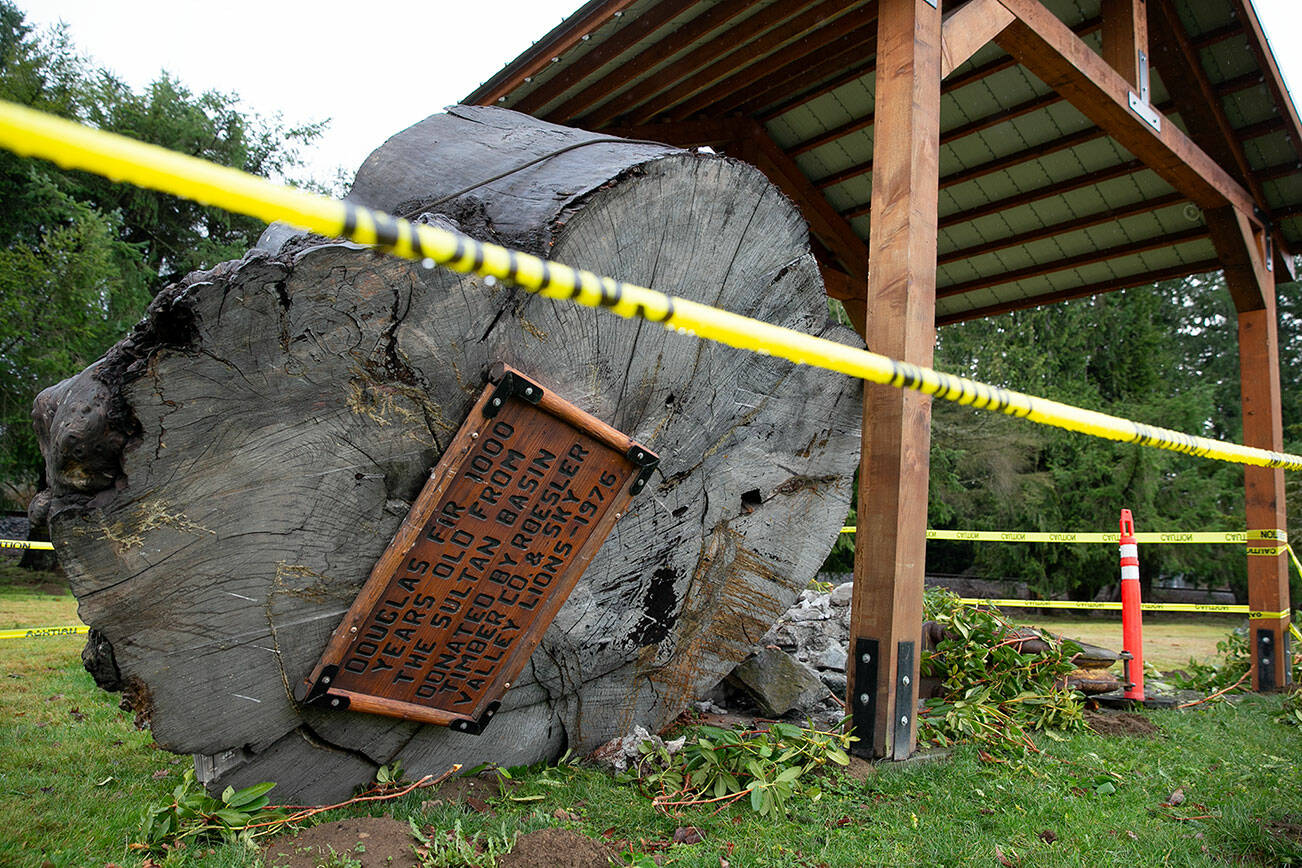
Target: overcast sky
(372,68)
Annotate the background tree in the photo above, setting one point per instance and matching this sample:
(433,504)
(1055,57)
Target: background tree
(1167,355)
(81,256)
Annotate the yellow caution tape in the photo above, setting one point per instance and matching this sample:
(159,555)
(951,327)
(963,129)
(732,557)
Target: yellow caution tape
(73,146)
(1292,628)
(26,544)
(1231,536)
(1147,607)
(44,632)
(1297,565)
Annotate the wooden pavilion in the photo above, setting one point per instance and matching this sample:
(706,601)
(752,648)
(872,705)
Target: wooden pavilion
(960,160)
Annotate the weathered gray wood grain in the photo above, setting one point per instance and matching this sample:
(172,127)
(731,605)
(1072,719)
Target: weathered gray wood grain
(275,418)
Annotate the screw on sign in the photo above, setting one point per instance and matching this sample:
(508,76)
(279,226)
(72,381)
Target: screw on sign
(1132,627)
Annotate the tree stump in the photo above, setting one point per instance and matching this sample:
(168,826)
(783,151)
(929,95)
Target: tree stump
(222,482)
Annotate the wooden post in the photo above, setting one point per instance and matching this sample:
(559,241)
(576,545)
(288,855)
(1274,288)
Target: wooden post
(890,551)
(1245,258)
(1263,490)
(1125,37)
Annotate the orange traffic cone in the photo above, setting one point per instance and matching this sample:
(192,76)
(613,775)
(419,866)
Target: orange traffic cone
(1132,626)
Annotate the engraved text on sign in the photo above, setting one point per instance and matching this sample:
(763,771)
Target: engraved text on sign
(472,580)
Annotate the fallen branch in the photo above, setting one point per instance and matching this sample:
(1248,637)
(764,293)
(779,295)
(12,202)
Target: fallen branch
(660,805)
(1223,690)
(299,816)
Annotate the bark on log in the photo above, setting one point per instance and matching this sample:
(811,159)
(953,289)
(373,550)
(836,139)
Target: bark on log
(224,479)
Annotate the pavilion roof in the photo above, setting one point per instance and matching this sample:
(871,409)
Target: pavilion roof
(1036,202)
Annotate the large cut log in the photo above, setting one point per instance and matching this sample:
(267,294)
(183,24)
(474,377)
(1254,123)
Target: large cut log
(223,481)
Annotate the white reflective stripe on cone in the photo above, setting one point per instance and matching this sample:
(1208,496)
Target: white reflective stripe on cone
(1128,572)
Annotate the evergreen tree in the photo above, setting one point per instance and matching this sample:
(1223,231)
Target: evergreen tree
(1166,355)
(80,256)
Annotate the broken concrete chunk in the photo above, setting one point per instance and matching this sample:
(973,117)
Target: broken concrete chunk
(840,595)
(777,682)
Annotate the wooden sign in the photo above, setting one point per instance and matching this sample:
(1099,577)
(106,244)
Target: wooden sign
(512,515)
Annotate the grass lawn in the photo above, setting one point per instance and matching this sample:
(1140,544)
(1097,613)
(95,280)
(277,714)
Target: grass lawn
(75,777)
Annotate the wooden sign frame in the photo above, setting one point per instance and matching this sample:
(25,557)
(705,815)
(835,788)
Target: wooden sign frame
(511,516)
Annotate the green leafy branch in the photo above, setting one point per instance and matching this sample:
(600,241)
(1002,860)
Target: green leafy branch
(991,691)
(243,815)
(193,814)
(719,766)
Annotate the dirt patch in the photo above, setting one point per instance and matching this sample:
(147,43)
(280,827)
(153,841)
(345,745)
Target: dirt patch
(1110,723)
(555,848)
(859,769)
(374,842)
(473,791)
(1288,827)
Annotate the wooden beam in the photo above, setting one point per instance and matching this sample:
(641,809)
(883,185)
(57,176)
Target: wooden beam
(752,60)
(1241,249)
(849,291)
(968,29)
(1241,245)
(713,132)
(823,78)
(837,132)
(1125,37)
(1054,230)
(890,550)
(1089,257)
(980,170)
(1080,137)
(642,27)
(1025,107)
(704,55)
(1087,179)
(570,32)
(835,65)
(837,71)
(860,70)
(1246,17)
(702,29)
(1204,116)
(1048,48)
(1263,489)
(831,228)
(786,69)
(1038,194)
(842,74)
(1146,278)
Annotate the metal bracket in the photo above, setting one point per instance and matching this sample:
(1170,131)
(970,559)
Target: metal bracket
(863,713)
(1288,655)
(512,385)
(905,705)
(645,460)
(321,686)
(1128,683)
(475,727)
(1267,227)
(1266,657)
(1139,102)
(319,695)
